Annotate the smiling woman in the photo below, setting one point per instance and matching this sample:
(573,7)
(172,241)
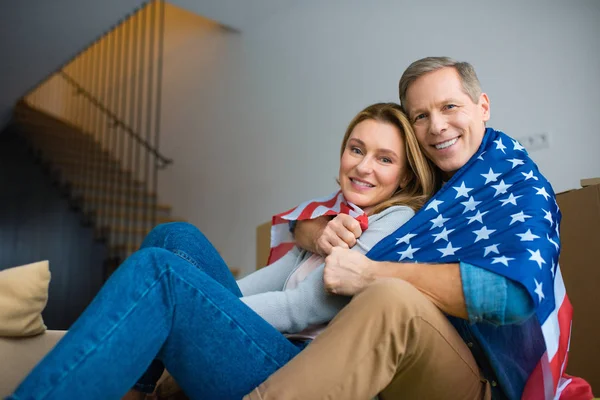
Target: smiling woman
(381,162)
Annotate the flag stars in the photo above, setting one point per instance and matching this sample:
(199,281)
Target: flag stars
(511,199)
(542,192)
(552,241)
(527,236)
(519,217)
(433,205)
(438,221)
(481,156)
(501,188)
(483,233)
(477,217)
(502,260)
(553,268)
(537,257)
(490,177)
(442,235)
(517,146)
(462,191)
(408,253)
(499,145)
(529,175)
(448,250)
(470,205)
(405,239)
(538,290)
(491,249)
(515,162)
(548,216)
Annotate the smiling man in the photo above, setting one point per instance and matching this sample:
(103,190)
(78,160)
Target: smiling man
(448,112)
(471,310)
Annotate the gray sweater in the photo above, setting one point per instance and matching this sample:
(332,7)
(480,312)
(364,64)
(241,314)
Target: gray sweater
(293,310)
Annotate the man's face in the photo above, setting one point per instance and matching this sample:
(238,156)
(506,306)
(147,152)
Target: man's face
(447,123)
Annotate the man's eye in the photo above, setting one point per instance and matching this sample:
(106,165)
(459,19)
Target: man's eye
(450,106)
(420,116)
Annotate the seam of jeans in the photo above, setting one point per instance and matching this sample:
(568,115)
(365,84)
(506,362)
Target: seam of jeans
(86,354)
(186,257)
(240,327)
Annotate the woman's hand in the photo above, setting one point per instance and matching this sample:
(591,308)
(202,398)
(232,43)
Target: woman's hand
(347,272)
(342,231)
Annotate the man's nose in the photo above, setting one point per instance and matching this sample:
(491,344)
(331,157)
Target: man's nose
(437,124)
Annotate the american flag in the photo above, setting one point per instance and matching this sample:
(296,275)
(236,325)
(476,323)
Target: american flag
(499,213)
(281,238)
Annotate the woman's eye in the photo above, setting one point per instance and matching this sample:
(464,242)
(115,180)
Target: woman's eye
(355,150)
(386,160)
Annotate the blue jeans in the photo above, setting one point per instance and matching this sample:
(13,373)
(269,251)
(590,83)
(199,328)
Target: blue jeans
(173,300)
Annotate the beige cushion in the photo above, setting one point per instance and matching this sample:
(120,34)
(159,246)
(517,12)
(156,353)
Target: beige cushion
(23,296)
(19,355)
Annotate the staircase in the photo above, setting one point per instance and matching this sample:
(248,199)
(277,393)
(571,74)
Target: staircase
(109,197)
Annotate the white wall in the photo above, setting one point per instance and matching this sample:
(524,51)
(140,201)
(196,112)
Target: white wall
(254,120)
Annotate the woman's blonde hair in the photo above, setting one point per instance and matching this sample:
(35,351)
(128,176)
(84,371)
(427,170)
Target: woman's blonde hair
(423,180)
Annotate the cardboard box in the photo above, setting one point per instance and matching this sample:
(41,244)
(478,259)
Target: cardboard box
(580,266)
(263,244)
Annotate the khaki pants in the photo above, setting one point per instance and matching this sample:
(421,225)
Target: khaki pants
(390,340)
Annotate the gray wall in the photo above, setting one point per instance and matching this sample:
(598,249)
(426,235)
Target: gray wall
(40,36)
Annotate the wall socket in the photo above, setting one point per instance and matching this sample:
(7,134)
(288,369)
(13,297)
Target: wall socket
(536,141)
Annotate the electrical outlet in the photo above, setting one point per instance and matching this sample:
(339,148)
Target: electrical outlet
(537,141)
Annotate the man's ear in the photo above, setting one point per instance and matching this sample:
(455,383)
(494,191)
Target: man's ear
(484,105)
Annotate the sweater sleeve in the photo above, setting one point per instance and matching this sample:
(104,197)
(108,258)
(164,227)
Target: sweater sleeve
(292,311)
(272,277)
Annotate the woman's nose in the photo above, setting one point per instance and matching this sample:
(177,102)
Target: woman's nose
(365,166)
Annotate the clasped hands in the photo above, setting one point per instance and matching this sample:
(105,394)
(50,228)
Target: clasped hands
(347,272)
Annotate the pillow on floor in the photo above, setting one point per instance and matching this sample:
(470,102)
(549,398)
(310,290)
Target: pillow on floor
(23,296)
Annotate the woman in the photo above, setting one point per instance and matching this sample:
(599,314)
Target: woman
(219,338)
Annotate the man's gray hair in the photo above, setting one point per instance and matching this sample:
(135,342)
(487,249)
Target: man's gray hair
(470,82)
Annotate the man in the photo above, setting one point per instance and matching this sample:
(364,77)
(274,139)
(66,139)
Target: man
(438,330)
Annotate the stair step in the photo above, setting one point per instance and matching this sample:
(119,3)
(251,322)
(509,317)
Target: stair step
(110,186)
(97,190)
(124,203)
(138,220)
(125,250)
(101,169)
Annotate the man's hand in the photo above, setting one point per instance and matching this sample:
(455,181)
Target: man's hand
(342,231)
(347,272)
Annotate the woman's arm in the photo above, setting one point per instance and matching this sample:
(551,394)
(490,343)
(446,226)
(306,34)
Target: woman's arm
(272,277)
(308,304)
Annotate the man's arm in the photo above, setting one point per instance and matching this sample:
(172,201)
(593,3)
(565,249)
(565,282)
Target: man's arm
(322,234)
(460,290)
(348,272)
(440,283)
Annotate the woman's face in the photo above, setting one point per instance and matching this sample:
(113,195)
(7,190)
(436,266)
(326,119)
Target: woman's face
(373,164)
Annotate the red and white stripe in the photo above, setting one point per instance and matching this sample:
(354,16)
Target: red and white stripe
(282,240)
(548,380)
